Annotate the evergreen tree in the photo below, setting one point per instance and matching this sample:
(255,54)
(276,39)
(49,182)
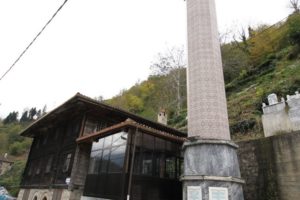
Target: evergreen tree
(24,117)
(11,118)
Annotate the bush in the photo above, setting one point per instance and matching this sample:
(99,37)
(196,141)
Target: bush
(243,126)
(11,179)
(18,148)
(294,29)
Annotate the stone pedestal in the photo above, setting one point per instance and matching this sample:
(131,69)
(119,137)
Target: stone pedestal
(212,163)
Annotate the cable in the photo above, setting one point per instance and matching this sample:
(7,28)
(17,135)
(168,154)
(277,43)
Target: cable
(34,39)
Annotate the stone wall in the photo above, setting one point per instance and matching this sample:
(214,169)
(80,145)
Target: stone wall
(271,167)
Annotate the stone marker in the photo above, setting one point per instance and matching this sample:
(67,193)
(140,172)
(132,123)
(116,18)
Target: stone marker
(210,158)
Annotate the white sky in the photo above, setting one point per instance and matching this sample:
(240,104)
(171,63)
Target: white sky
(98,47)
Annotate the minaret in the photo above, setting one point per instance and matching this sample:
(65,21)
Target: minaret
(211,168)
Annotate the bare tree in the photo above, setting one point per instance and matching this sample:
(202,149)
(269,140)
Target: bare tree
(171,63)
(241,41)
(294,4)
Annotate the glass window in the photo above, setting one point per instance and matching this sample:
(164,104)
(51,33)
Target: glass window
(105,160)
(108,154)
(49,164)
(119,139)
(147,163)
(137,160)
(107,141)
(67,162)
(95,162)
(170,167)
(116,165)
(159,168)
(179,167)
(101,125)
(98,145)
(117,152)
(90,126)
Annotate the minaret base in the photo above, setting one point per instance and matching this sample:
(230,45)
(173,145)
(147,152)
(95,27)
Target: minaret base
(211,166)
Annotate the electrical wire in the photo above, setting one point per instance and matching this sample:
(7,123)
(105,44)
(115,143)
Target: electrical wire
(34,39)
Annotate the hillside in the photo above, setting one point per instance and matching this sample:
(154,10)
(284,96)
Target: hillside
(267,61)
(17,147)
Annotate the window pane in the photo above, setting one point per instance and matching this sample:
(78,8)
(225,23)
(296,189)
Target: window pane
(98,145)
(117,152)
(119,139)
(116,165)
(90,126)
(95,162)
(105,160)
(137,162)
(67,162)
(147,163)
(170,167)
(159,165)
(107,141)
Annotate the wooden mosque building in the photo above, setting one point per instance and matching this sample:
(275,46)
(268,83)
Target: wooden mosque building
(85,149)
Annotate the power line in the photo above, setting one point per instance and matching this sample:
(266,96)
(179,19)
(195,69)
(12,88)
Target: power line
(34,39)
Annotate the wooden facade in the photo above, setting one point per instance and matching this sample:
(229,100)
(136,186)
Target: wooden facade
(67,160)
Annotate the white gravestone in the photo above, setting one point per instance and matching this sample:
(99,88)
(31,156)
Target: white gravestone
(218,193)
(272,99)
(194,193)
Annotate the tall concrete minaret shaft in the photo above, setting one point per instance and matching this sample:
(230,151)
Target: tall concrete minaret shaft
(210,159)
(207,108)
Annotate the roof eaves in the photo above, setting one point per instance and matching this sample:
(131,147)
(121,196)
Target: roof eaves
(127,123)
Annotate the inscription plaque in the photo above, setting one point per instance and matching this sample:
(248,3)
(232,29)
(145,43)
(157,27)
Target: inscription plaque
(194,193)
(218,193)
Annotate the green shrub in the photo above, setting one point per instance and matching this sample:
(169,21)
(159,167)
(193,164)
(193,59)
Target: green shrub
(19,148)
(11,179)
(294,29)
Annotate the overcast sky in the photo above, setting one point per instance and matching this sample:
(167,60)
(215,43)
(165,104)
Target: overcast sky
(98,47)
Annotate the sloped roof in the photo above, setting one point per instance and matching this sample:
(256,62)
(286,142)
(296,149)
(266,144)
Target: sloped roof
(78,100)
(129,123)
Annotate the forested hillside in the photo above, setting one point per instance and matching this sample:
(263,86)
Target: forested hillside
(261,61)
(16,146)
